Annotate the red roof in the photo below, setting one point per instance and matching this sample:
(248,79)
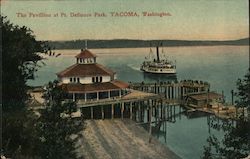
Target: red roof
(82,88)
(85,54)
(120,84)
(85,70)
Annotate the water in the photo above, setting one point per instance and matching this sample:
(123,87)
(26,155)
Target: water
(186,136)
(221,66)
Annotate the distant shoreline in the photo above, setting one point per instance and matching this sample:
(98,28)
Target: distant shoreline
(129,43)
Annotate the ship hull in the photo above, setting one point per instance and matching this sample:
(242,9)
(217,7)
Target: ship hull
(159,71)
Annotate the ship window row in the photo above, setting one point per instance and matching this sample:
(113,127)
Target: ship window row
(88,60)
(97,79)
(74,79)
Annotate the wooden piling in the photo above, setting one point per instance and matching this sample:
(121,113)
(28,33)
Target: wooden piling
(174,113)
(131,110)
(102,113)
(172,92)
(150,126)
(91,113)
(122,110)
(147,114)
(112,111)
(143,111)
(161,111)
(139,111)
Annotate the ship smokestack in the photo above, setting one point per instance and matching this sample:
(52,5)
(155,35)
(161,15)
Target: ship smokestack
(157,52)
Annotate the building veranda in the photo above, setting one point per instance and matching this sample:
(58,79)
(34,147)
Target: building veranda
(97,91)
(87,80)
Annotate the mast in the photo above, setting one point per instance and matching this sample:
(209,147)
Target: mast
(157,53)
(86,45)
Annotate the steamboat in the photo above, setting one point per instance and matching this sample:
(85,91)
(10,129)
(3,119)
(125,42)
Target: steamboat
(158,66)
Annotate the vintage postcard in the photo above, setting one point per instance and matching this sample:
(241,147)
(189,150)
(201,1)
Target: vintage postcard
(125,79)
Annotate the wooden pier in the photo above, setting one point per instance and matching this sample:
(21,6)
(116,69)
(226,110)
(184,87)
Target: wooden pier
(150,104)
(172,90)
(117,107)
(146,102)
(160,97)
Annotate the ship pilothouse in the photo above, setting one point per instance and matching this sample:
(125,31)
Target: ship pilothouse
(159,66)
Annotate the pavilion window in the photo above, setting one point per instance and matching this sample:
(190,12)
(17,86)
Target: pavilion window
(96,79)
(78,80)
(70,79)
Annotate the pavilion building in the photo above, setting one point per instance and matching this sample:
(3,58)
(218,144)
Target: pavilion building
(87,80)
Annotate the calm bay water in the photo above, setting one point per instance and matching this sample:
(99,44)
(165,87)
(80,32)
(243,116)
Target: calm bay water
(187,135)
(221,66)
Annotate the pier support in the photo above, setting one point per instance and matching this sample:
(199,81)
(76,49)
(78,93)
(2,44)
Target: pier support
(131,111)
(74,97)
(161,111)
(174,114)
(122,110)
(150,126)
(165,92)
(169,92)
(139,112)
(164,112)
(91,113)
(148,105)
(102,113)
(112,111)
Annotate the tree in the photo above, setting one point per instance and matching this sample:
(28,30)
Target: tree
(243,86)
(26,135)
(56,126)
(20,61)
(19,134)
(235,143)
(20,58)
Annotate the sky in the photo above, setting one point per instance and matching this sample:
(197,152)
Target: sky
(184,20)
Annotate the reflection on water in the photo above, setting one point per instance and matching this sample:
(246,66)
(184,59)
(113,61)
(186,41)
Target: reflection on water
(186,133)
(200,135)
(235,142)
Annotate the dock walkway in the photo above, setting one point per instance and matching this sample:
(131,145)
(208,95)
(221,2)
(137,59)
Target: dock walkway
(131,97)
